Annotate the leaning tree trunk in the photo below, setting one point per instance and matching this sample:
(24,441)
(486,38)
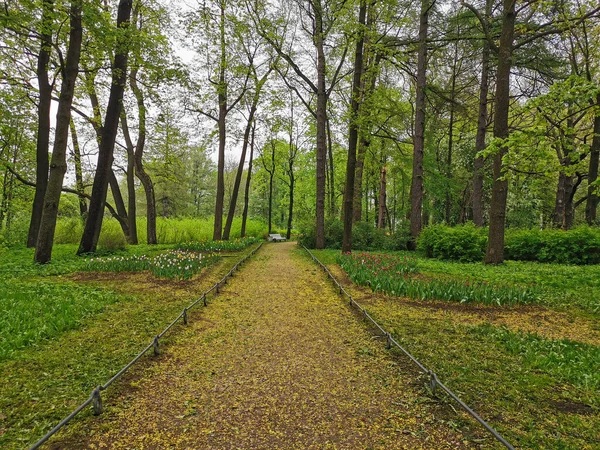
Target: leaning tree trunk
(240,170)
(416,189)
(482,119)
(353,132)
(247,190)
(495,248)
(58,166)
(43,126)
(121,216)
(93,224)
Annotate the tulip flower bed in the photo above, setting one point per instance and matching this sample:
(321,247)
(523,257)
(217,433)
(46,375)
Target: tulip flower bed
(209,246)
(175,264)
(398,276)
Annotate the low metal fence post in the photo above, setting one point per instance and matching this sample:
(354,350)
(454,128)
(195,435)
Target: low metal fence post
(97,401)
(432,382)
(185,318)
(156,346)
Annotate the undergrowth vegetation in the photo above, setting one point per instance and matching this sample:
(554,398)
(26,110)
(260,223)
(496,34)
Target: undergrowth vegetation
(32,311)
(467,243)
(168,231)
(396,275)
(364,236)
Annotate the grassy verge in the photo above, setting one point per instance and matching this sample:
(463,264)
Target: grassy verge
(66,337)
(569,288)
(538,392)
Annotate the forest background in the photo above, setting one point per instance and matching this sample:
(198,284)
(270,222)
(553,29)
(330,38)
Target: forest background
(305,115)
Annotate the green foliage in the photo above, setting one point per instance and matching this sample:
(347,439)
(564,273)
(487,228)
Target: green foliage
(68,230)
(31,312)
(111,236)
(391,274)
(580,245)
(465,243)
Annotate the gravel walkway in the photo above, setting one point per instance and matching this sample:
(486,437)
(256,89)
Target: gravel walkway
(277,360)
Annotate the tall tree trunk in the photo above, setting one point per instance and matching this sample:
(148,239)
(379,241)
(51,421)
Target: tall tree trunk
(222,97)
(131,196)
(43,126)
(248,177)
(570,190)
(495,249)
(416,190)
(292,152)
(321,127)
(353,132)
(559,205)
(482,120)
(240,170)
(121,216)
(140,170)
(331,169)
(78,172)
(93,224)
(271,175)
(448,205)
(382,200)
(591,205)
(58,166)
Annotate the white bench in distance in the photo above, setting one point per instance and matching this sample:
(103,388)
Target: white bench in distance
(276,238)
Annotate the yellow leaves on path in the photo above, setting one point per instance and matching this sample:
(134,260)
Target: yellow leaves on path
(275,361)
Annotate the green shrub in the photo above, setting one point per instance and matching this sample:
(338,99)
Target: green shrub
(398,241)
(111,236)
(465,243)
(334,232)
(581,245)
(68,230)
(365,236)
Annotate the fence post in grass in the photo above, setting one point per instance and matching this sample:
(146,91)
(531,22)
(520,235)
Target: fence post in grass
(185,319)
(156,346)
(432,382)
(388,343)
(204,298)
(97,401)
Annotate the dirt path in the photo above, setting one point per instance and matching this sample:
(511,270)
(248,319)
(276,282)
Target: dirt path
(276,361)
